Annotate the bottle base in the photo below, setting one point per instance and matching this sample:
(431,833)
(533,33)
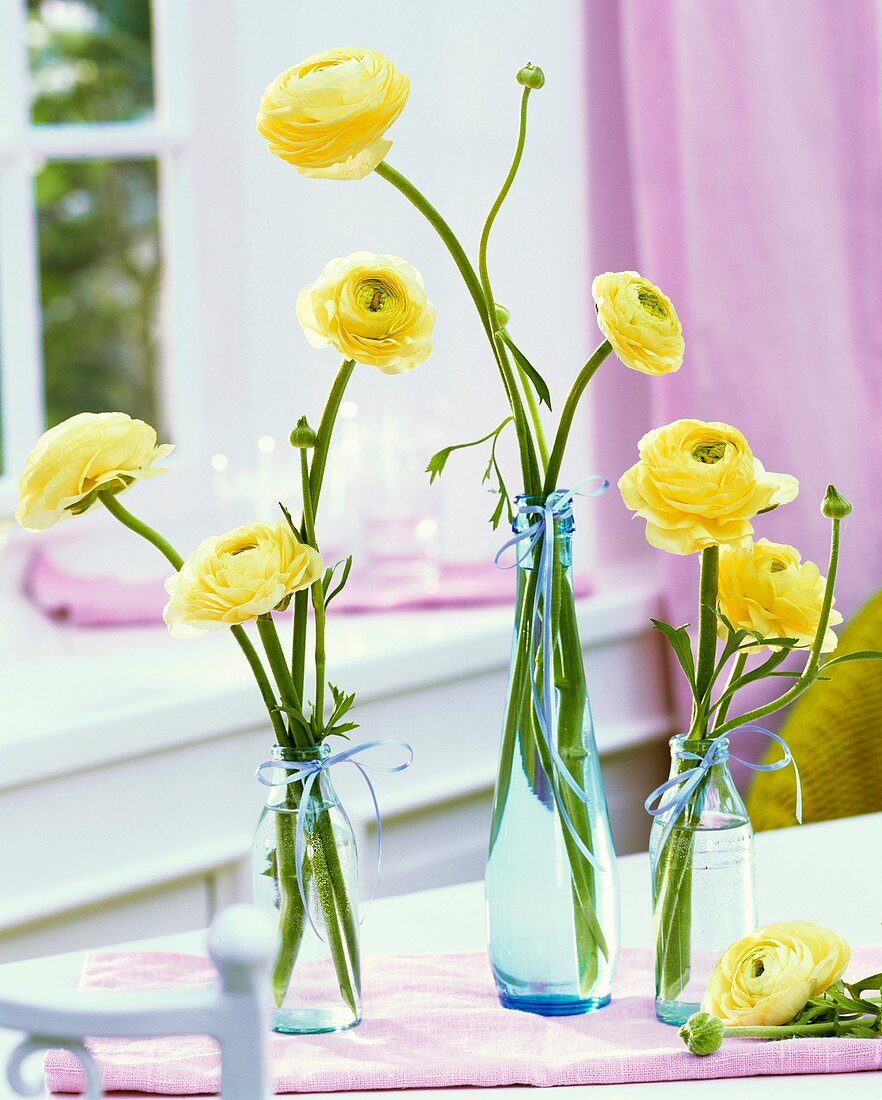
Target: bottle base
(675,1013)
(312,1021)
(553,1006)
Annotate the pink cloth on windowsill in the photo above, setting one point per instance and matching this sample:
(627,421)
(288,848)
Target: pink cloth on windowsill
(434,1021)
(89,601)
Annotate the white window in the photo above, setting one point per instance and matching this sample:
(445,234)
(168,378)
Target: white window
(93,133)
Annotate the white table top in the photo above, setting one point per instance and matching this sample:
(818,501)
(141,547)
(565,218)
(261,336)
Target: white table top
(828,873)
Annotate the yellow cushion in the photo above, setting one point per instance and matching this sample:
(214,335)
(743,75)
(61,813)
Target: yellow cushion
(835,734)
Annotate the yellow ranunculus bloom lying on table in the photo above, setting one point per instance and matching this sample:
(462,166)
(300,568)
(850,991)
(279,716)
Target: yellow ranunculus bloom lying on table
(767,977)
(785,981)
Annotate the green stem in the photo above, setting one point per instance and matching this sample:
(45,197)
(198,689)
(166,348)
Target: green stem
(569,411)
(484,274)
(808,674)
(316,479)
(707,632)
(326,431)
(785,1031)
(529,466)
(266,628)
(125,517)
(318,596)
(734,675)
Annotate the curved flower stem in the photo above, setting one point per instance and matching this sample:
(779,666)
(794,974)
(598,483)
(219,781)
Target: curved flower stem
(326,430)
(734,676)
(529,467)
(707,633)
(485,274)
(569,411)
(809,672)
(316,478)
(125,517)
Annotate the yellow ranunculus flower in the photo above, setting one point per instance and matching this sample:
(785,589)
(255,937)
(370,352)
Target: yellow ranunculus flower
(84,454)
(327,115)
(639,321)
(765,587)
(232,578)
(767,977)
(698,484)
(372,309)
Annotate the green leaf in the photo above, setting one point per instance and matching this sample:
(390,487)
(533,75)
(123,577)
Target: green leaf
(539,383)
(341,730)
(341,584)
(438,461)
(678,638)
(295,714)
(864,655)
(287,516)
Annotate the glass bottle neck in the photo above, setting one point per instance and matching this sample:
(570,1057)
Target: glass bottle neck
(718,792)
(528,515)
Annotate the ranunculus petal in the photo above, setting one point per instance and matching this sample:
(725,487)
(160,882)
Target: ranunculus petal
(79,456)
(232,578)
(328,114)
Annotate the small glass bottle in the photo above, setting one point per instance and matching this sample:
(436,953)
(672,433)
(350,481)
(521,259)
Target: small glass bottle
(703,879)
(316,980)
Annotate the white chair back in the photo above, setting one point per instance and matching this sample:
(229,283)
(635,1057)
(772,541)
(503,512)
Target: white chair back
(235,1012)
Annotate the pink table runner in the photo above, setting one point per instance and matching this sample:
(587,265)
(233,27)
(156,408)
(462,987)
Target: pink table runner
(433,1021)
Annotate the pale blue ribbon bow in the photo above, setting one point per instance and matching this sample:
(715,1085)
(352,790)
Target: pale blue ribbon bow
(687,782)
(557,506)
(308,771)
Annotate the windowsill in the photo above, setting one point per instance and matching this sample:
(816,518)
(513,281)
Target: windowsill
(77,698)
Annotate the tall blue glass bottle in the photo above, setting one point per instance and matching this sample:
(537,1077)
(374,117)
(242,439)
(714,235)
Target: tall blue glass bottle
(552,914)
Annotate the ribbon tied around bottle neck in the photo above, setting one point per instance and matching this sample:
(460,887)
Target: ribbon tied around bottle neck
(308,772)
(541,535)
(687,783)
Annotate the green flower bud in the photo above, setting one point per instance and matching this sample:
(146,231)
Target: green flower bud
(502,315)
(531,76)
(835,505)
(702,1033)
(302,437)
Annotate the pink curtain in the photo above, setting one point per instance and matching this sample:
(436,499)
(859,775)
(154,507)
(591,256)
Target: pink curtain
(747,182)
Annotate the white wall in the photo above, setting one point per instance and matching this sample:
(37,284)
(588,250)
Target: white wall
(266,230)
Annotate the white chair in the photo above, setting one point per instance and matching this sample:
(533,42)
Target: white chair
(235,1013)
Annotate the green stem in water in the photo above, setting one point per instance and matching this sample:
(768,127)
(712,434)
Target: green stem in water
(529,465)
(125,517)
(808,674)
(707,632)
(569,411)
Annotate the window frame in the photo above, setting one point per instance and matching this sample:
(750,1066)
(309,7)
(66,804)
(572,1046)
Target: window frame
(165,136)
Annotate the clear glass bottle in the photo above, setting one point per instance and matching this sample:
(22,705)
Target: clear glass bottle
(553,918)
(703,880)
(316,979)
